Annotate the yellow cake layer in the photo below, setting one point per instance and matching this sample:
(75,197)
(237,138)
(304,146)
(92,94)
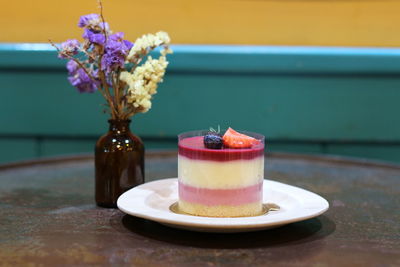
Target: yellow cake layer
(245,210)
(220,174)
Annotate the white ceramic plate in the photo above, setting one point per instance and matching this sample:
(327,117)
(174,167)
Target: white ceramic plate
(152,201)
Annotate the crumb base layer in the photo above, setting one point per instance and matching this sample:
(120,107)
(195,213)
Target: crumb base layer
(245,210)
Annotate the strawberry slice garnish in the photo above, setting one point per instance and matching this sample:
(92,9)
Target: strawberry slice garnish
(233,139)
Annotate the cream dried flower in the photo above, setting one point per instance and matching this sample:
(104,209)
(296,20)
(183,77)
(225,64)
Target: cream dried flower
(143,82)
(149,41)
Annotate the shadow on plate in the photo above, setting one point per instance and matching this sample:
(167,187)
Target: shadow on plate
(295,233)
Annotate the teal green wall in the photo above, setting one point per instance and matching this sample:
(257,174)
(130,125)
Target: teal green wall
(341,101)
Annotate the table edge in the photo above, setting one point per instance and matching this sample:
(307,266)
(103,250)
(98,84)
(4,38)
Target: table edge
(168,153)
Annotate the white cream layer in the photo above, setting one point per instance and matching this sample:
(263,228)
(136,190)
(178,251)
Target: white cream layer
(220,174)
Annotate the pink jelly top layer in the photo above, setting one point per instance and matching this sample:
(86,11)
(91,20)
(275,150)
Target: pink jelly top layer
(193,148)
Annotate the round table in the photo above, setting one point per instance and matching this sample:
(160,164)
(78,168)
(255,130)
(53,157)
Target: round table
(48,217)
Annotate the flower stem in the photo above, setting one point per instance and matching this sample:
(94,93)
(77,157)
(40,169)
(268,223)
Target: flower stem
(74,59)
(116,94)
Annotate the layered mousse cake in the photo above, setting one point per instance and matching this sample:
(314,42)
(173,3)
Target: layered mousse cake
(221,175)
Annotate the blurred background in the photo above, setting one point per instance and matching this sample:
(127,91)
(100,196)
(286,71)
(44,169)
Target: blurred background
(314,76)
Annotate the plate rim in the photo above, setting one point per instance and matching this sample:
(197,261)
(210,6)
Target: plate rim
(194,224)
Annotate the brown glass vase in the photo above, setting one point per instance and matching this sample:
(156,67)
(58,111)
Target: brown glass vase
(119,163)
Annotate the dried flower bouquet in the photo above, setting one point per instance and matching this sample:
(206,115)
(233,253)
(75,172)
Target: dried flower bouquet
(124,72)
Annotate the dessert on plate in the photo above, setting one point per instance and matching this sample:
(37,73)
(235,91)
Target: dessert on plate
(221,175)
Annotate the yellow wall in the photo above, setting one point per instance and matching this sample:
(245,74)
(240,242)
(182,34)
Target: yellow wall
(263,22)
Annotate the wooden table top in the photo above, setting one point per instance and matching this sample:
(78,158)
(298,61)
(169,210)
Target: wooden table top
(48,217)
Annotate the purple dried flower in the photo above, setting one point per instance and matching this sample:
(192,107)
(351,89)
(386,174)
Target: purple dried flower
(104,26)
(114,56)
(110,61)
(93,37)
(128,44)
(90,19)
(72,67)
(69,47)
(116,50)
(117,36)
(80,79)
